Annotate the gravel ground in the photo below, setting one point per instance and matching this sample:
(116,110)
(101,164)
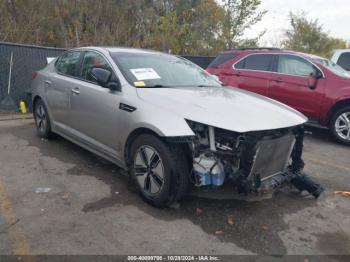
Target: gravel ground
(92,208)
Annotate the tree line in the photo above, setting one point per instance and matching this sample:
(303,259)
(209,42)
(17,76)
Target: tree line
(181,26)
(197,27)
(308,36)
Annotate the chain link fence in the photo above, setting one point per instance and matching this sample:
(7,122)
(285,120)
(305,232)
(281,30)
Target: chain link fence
(27,59)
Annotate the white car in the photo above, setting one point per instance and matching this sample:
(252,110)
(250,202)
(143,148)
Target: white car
(169,123)
(342,57)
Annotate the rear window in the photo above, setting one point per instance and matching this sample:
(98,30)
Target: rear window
(344,61)
(221,59)
(255,62)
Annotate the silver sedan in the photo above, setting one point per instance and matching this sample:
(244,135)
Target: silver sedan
(169,123)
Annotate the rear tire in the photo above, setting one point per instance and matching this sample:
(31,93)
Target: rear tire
(340,125)
(160,171)
(42,120)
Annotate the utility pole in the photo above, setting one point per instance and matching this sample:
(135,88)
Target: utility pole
(37,36)
(229,11)
(77,36)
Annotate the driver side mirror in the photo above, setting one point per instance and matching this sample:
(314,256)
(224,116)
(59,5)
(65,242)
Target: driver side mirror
(113,85)
(313,79)
(103,78)
(100,75)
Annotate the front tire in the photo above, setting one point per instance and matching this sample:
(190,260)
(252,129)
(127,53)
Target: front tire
(42,120)
(161,172)
(340,125)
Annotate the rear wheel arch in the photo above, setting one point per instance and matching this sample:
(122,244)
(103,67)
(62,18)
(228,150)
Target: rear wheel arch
(35,100)
(42,118)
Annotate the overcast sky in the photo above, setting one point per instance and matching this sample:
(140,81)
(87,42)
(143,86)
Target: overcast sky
(334,15)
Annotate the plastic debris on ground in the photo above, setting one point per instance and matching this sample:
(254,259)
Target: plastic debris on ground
(219,232)
(265,228)
(342,193)
(65,196)
(230,220)
(42,189)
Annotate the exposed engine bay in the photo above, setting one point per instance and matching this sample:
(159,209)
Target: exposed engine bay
(252,162)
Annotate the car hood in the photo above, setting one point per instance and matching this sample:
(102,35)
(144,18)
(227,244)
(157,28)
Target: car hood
(223,107)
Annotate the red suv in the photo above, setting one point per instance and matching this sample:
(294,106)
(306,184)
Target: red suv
(312,85)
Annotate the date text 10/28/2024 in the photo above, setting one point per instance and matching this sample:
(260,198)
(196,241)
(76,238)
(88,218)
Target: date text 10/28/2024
(173,258)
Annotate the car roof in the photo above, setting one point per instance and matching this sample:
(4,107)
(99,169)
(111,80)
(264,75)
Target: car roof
(269,50)
(121,49)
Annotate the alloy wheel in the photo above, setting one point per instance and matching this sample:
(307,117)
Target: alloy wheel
(342,126)
(41,120)
(149,170)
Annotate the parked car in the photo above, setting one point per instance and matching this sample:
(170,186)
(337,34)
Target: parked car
(341,57)
(169,123)
(310,84)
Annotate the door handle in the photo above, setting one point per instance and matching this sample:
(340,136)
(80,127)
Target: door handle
(76,91)
(48,82)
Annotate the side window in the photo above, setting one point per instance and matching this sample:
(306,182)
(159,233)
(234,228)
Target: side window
(256,62)
(294,65)
(344,61)
(68,63)
(93,60)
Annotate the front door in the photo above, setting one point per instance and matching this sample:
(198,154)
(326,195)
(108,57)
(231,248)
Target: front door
(94,108)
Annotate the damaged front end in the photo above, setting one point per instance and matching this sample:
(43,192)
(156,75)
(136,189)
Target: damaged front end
(253,162)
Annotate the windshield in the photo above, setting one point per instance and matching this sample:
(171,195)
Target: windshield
(161,70)
(336,69)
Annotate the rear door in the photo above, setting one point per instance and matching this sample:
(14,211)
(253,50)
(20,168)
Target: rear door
(290,84)
(253,73)
(58,86)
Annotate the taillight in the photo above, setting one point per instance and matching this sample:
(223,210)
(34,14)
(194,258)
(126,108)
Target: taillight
(34,74)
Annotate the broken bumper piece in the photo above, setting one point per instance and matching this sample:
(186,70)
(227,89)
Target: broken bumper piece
(253,163)
(300,181)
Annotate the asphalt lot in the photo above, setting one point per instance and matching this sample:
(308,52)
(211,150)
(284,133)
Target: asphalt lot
(92,208)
